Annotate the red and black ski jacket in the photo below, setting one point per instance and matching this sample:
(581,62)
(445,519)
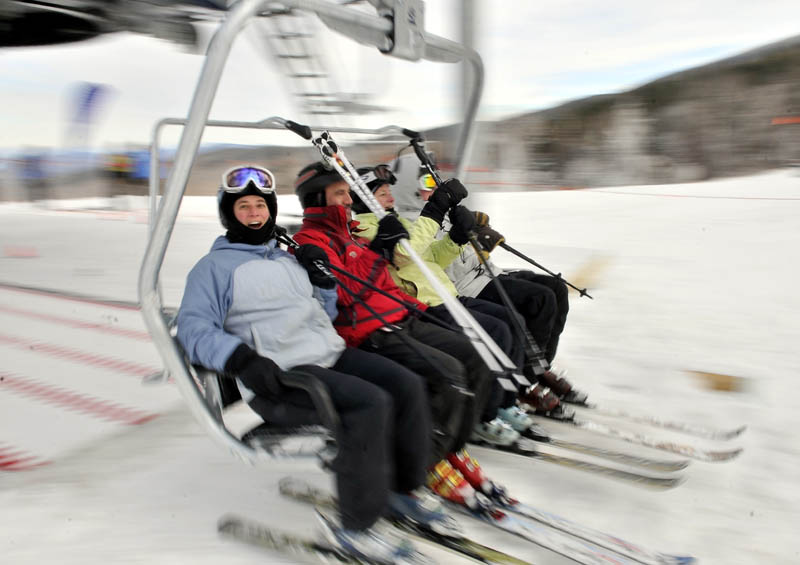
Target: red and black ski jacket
(329,228)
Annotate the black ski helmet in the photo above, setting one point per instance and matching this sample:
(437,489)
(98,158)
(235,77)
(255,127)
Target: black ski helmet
(374,177)
(311,181)
(238,232)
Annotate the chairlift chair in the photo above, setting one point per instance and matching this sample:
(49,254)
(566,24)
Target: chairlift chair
(207,393)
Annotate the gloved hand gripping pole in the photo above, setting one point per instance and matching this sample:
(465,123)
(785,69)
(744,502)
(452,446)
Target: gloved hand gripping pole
(492,355)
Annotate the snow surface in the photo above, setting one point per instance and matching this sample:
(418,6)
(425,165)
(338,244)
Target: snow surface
(685,278)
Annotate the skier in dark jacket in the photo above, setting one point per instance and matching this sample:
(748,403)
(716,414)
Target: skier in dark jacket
(253,312)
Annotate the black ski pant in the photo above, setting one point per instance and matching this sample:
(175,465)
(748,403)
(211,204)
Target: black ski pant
(384,440)
(452,369)
(496,321)
(541,299)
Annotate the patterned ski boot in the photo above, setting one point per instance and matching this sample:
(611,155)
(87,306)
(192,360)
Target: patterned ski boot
(424,509)
(542,401)
(473,473)
(376,544)
(447,482)
(561,387)
(496,433)
(521,421)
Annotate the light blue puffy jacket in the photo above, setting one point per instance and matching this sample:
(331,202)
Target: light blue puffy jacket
(258,295)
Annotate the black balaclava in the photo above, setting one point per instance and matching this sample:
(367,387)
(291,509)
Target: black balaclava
(237,231)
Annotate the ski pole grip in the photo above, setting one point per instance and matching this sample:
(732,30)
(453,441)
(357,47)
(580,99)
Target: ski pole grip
(301,130)
(411,133)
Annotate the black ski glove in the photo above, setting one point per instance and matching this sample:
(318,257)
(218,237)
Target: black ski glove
(488,239)
(449,194)
(316,262)
(390,231)
(259,374)
(463,223)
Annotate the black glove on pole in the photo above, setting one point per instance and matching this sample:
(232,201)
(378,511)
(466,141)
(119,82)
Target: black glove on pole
(481,219)
(488,238)
(259,374)
(463,223)
(447,195)
(390,231)
(316,262)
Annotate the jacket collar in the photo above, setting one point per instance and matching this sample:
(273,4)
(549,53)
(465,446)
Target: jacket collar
(334,218)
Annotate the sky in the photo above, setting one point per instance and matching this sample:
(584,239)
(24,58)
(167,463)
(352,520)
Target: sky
(536,55)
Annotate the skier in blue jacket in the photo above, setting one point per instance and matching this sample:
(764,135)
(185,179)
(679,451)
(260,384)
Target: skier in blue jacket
(253,312)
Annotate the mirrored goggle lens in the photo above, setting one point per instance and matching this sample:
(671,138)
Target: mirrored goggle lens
(237,179)
(426,182)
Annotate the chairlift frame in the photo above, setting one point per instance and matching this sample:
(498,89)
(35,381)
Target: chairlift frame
(360,26)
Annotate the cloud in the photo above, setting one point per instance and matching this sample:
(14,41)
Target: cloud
(535,54)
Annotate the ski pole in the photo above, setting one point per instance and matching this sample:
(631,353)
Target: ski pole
(282,236)
(510,249)
(534,351)
(494,357)
(416,143)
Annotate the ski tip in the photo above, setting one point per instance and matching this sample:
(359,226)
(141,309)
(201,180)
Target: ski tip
(678,465)
(673,482)
(732,433)
(720,456)
(224,523)
(288,485)
(325,518)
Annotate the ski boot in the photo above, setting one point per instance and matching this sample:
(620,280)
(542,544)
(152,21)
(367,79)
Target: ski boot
(518,419)
(473,473)
(447,482)
(562,388)
(544,402)
(496,433)
(425,510)
(376,544)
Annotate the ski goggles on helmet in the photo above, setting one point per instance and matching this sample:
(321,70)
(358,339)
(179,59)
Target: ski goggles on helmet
(381,173)
(236,179)
(427,182)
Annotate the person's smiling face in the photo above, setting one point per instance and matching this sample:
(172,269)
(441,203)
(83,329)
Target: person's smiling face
(251,211)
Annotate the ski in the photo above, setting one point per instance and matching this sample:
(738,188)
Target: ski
(567,538)
(672,425)
(528,448)
(658,465)
(260,535)
(647,441)
(608,541)
(574,548)
(465,547)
